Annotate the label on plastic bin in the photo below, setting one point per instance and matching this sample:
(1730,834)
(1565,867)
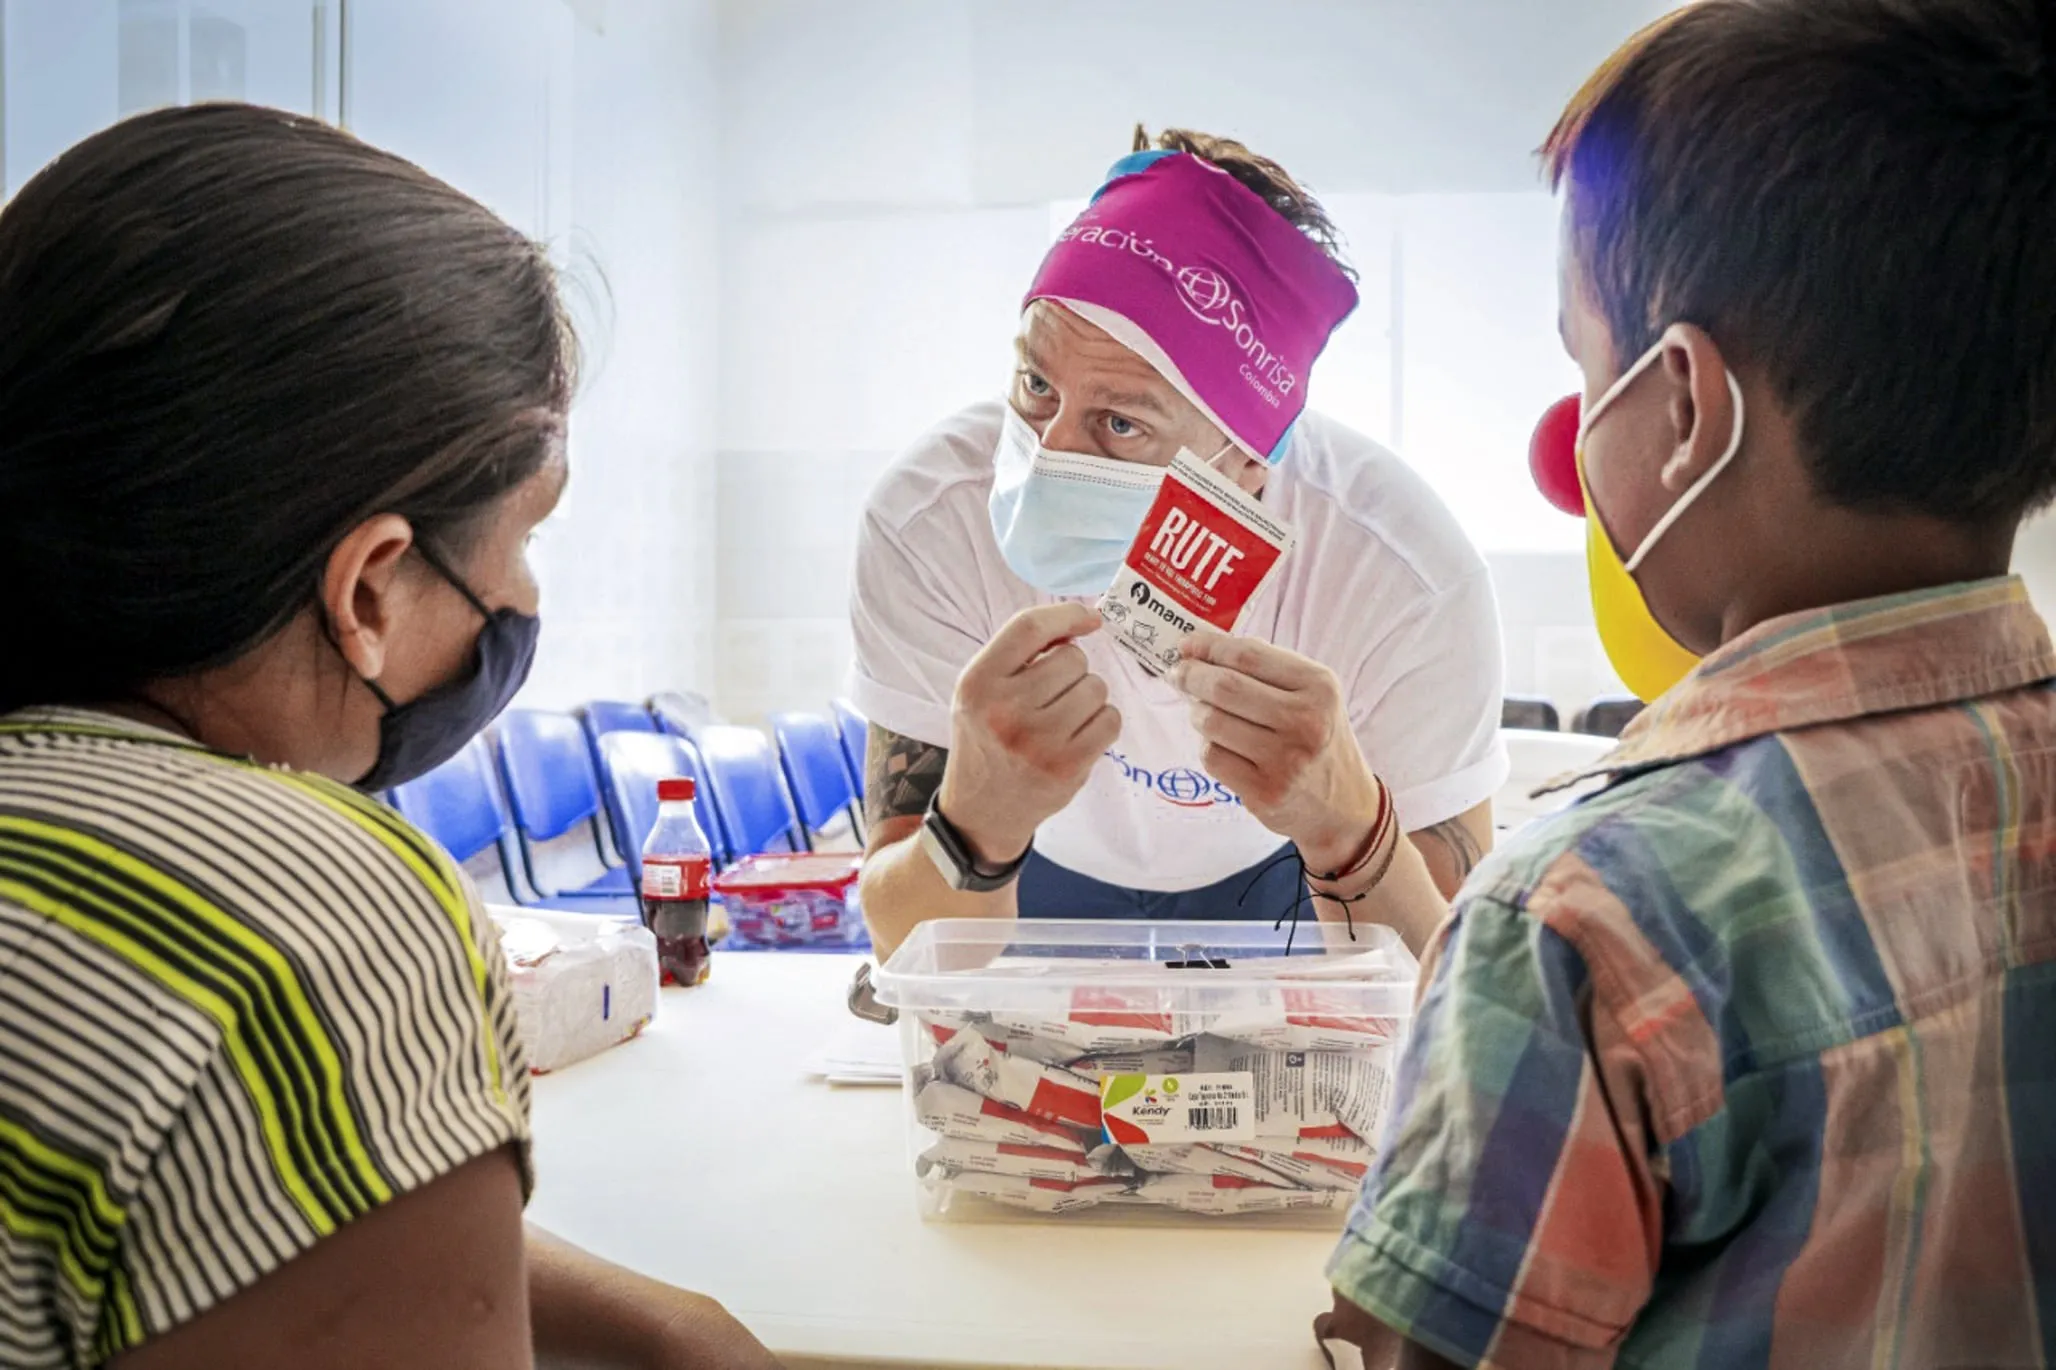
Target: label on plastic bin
(1204,548)
(1155,1110)
(1309,1094)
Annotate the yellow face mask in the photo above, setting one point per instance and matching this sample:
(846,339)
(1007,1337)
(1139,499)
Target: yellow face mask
(1644,654)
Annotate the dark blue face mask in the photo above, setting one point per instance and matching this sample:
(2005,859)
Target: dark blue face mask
(416,737)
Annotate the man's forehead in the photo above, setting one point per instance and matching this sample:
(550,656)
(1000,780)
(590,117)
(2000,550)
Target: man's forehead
(1089,359)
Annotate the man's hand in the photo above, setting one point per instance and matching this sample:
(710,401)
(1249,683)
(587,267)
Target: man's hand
(1029,723)
(1277,734)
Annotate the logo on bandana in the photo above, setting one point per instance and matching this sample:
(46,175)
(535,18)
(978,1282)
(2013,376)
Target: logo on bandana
(1211,298)
(1206,292)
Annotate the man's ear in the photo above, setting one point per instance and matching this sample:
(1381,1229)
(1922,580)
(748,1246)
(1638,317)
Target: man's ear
(1701,408)
(361,588)
(1232,460)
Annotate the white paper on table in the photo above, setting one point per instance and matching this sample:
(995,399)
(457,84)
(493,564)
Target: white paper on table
(582,982)
(859,1053)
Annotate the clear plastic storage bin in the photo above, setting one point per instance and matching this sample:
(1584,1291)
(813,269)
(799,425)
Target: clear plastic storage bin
(1147,1072)
(793,899)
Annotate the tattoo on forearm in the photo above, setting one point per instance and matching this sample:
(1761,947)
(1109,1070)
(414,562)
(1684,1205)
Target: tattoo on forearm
(902,775)
(1457,839)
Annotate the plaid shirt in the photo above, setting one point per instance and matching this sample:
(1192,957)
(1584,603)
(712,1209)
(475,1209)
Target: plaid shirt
(1750,1059)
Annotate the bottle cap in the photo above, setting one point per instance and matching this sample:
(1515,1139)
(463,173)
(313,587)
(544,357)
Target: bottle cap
(669,791)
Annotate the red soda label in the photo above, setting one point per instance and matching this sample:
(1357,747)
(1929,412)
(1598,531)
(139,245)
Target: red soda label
(677,877)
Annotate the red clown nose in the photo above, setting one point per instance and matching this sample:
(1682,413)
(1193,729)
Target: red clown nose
(1553,456)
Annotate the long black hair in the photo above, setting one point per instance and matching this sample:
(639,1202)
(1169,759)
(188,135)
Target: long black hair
(228,335)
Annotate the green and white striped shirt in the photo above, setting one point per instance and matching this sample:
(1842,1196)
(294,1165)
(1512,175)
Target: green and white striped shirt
(239,1007)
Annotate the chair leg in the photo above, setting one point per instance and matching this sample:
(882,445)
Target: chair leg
(528,866)
(607,860)
(511,871)
(792,795)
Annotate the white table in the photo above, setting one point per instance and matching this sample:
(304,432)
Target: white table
(701,1154)
(1539,759)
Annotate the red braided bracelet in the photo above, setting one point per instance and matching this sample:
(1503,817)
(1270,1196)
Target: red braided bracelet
(1385,819)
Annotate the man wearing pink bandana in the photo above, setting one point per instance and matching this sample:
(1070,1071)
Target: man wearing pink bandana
(1340,750)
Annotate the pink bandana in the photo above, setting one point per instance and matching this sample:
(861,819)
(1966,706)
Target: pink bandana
(1191,269)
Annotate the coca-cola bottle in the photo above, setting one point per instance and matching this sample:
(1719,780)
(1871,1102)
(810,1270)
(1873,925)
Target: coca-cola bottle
(677,877)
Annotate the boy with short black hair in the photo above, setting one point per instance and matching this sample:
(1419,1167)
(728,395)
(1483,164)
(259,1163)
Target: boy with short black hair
(1750,1060)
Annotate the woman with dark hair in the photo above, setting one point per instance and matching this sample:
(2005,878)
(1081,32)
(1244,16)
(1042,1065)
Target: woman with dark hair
(278,414)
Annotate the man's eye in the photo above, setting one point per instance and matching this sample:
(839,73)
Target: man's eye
(1034,384)
(1120,427)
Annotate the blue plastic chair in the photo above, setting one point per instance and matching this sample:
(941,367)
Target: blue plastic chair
(457,803)
(553,790)
(1606,716)
(856,742)
(680,713)
(633,763)
(816,771)
(743,774)
(460,806)
(603,716)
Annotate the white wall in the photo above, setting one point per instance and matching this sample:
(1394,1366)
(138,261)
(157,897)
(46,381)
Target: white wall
(889,175)
(62,78)
(795,232)
(592,126)
(483,97)
(2034,557)
(74,66)
(630,561)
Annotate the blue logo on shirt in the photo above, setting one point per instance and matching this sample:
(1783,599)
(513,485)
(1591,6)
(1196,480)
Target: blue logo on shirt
(1182,787)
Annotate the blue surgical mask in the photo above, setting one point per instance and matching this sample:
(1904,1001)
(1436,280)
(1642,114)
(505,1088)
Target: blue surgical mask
(416,737)
(1065,520)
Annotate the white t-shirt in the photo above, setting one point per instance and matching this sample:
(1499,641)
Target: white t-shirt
(1382,588)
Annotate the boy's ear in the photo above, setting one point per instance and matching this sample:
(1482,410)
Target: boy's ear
(1700,406)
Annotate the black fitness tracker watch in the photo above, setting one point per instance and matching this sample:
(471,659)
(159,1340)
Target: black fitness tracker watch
(952,857)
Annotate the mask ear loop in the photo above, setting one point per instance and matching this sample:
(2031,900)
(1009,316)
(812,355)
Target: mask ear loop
(1589,416)
(1215,460)
(1698,487)
(441,568)
(456,582)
